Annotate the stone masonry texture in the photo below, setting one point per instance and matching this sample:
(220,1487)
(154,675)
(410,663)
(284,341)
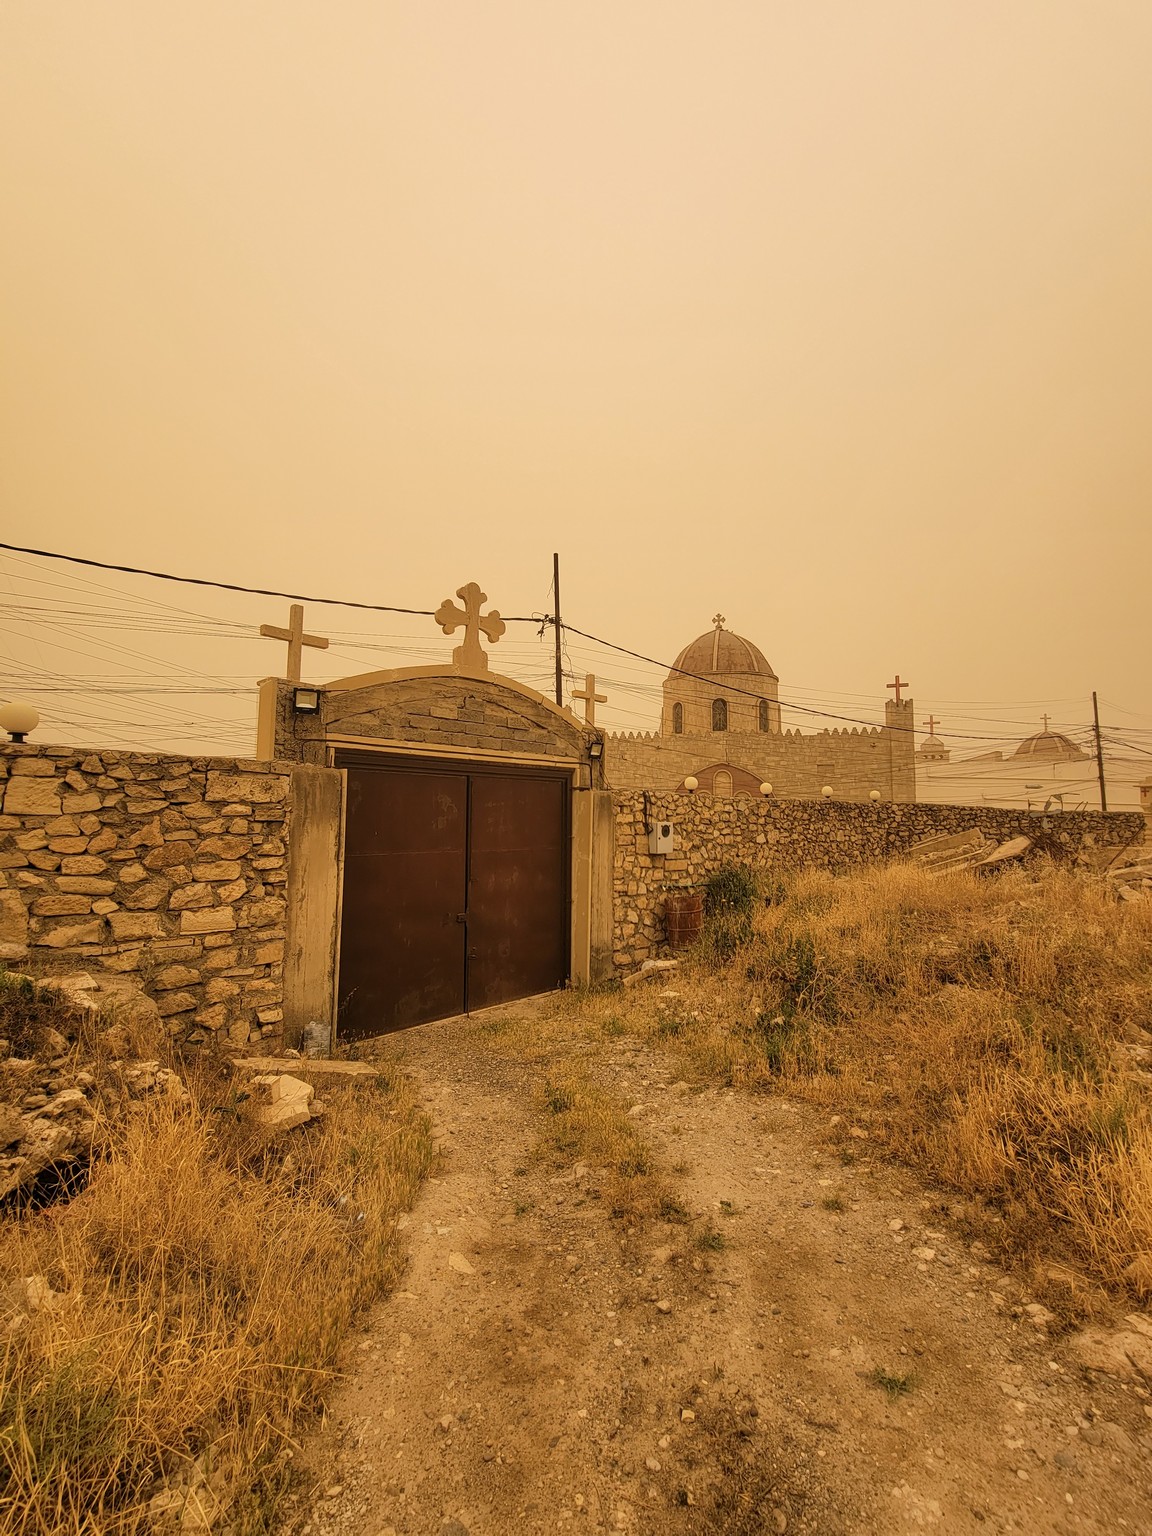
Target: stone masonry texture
(450,712)
(171,868)
(779,834)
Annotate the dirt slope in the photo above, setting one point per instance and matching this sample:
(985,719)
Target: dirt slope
(542,1370)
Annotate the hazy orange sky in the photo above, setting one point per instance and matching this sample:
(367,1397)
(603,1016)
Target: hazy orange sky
(836,317)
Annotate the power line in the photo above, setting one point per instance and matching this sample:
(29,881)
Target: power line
(805,709)
(732,688)
(231,586)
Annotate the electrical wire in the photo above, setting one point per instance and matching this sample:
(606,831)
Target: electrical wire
(203,625)
(231,586)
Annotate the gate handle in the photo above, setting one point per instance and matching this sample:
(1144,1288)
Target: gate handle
(461,917)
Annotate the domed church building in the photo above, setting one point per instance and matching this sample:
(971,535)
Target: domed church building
(720,725)
(746,704)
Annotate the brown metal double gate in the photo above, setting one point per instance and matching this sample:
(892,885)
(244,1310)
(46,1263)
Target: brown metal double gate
(455,891)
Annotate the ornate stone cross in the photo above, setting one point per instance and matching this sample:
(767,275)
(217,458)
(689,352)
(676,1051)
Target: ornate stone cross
(898,684)
(932,723)
(471,658)
(718,620)
(295,637)
(591,697)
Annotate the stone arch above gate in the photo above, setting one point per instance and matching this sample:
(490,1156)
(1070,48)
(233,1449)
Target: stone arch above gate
(425,709)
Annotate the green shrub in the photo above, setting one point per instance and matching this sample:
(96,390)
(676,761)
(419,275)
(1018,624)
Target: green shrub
(732,888)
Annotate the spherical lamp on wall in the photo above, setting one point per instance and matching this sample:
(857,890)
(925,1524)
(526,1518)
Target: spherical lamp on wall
(874,795)
(18,719)
(827,791)
(765,789)
(691,784)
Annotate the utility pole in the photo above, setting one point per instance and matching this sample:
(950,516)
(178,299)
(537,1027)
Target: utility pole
(559,657)
(1099,752)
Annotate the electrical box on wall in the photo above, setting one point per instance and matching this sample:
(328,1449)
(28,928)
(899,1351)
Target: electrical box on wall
(662,838)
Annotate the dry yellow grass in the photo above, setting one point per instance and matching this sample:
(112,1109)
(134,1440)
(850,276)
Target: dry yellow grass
(204,1281)
(582,1123)
(974,1027)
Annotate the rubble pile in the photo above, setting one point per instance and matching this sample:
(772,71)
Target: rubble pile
(971,849)
(1132,878)
(52,1092)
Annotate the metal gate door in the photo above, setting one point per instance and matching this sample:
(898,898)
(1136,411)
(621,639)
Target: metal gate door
(517,888)
(405,884)
(455,893)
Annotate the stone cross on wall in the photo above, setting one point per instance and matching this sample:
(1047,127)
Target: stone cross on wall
(296,639)
(898,684)
(591,698)
(470,658)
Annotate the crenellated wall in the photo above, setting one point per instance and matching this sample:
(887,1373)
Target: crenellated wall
(854,760)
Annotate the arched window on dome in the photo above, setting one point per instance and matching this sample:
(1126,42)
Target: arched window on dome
(765,724)
(719,714)
(678,719)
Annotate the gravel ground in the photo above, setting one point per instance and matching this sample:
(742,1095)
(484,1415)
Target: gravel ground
(544,1369)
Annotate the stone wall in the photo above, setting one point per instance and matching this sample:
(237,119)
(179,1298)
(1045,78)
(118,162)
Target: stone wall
(171,868)
(854,760)
(790,834)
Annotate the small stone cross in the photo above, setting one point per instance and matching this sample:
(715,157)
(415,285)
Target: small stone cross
(296,639)
(591,698)
(718,620)
(898,684)
(932,723)
(1045,718)
(471,658)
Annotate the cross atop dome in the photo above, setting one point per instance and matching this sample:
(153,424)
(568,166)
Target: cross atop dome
(718,620)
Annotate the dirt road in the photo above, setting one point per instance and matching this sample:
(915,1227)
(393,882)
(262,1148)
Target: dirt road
(815,1351)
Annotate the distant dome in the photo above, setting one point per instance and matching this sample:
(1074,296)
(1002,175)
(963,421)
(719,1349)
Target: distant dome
(932,744)
(1048,744)
(719,652)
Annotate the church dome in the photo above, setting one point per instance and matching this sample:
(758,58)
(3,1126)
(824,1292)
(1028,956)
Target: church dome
(720,652)
(1048,744)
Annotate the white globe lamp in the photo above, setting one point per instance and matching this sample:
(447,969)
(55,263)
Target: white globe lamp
(765,789)
(874,795)
(18,719)
(827,791)
(691,784)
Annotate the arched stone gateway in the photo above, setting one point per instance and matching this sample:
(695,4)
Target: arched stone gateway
(460,857)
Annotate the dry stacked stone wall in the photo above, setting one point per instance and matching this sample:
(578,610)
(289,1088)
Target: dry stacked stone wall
(792,834)
(173,869)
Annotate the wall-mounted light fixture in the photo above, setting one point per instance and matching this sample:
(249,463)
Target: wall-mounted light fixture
(306,701)
(874,794)
(691,784)
(827,791)
(18,719)
(596,750)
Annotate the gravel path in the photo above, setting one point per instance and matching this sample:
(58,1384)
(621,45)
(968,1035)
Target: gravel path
(543,1370)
